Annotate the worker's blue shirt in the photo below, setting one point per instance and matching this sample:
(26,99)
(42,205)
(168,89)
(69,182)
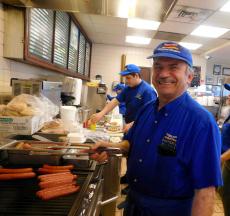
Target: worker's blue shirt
(135,98)
(173,151)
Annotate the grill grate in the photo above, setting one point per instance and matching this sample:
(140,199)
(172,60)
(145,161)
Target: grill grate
(19,198)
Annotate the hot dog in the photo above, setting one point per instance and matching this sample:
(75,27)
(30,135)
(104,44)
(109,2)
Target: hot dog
(68,167)
(41,192)
(12,176)
(15,170)
(58,193)
(54,175)
(47,171)
(57,182)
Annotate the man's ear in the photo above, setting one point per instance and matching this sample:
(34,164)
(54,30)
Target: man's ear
(190,78)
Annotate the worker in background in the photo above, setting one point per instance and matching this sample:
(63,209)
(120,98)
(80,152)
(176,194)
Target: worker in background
(174,145)
(225,159)
(135,95)
(118,89)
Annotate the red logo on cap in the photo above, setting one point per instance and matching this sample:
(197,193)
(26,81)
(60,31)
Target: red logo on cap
(170,46)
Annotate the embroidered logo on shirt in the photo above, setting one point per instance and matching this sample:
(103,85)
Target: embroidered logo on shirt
(168,145)
(138,96)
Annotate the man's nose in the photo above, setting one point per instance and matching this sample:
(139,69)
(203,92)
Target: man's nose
(164,72)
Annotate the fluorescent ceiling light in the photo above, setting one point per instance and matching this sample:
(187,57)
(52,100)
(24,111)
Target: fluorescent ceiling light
(127,8)
(226,7)
(191,46)
(143,24)
(209,31)
(137,40)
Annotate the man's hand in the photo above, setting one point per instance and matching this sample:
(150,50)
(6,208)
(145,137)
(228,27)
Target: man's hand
(102,157)
(127,127)
(95,118)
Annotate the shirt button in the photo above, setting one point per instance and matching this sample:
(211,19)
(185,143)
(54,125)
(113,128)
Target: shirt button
(166,114)
(140,160)
(135,180)
(155,121)
(148,140)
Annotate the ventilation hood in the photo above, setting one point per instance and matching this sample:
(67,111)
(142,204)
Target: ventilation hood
(146,9)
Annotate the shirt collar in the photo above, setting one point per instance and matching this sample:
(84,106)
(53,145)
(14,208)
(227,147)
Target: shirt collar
(171,106)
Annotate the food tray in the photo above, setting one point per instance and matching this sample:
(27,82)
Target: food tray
(77,161)
(33,155)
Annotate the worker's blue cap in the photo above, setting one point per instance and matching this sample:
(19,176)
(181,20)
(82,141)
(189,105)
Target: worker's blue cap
(129,69)
(227,86)
(119,86)
(173,50)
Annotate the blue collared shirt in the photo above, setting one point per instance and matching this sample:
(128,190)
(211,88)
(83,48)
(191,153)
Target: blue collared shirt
(135,98)
(175,150)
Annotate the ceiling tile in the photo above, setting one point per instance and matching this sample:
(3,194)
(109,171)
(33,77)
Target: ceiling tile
(140,32)
(169,36)
(210,4)
(107,20)
(219,19)
(113,29)
(177,27)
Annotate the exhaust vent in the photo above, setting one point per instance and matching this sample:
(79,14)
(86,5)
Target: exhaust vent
(186,14)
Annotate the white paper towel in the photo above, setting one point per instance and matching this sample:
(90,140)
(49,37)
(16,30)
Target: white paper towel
(77,88)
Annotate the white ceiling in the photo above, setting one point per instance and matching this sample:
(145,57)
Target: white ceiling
(112,30)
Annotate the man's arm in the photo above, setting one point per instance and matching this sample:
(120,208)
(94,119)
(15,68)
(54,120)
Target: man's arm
(225,156)
(203,202)
(108,107)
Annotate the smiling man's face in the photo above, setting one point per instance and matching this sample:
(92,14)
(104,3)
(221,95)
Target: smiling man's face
(170,77)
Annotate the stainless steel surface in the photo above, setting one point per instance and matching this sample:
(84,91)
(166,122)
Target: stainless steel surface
(111,184)
(146,9)
(41,138)
(102,203)
(37,154)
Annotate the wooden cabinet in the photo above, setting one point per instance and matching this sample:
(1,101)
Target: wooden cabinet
(47,38)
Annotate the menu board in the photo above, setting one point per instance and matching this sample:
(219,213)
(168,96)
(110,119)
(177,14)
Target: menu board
(61,38)
(73,47)
(41,33)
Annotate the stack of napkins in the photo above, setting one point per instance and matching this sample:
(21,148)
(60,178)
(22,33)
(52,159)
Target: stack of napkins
(76,137)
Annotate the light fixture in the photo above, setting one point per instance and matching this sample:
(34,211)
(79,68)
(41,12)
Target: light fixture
(191,46)
(127,8)
(209,31)
(226,7)
(137,40)
(143,24)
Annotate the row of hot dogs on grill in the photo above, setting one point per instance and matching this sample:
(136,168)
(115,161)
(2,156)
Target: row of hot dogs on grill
(54,181)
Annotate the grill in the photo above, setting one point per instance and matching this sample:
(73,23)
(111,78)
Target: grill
(19,198)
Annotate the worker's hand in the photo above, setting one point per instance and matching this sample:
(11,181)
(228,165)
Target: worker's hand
(95,118)
(127,127)
(100,157)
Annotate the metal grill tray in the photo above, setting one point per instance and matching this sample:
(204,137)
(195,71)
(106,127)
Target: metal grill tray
(34,156)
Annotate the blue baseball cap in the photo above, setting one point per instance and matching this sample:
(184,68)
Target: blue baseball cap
(227,86)
(119,86)
(129,69)
(173,50)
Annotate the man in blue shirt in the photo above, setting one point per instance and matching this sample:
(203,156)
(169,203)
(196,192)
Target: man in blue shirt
(173,146)
(118,89)
(135,95)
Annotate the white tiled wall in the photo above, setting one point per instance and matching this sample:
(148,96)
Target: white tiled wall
(106,61)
